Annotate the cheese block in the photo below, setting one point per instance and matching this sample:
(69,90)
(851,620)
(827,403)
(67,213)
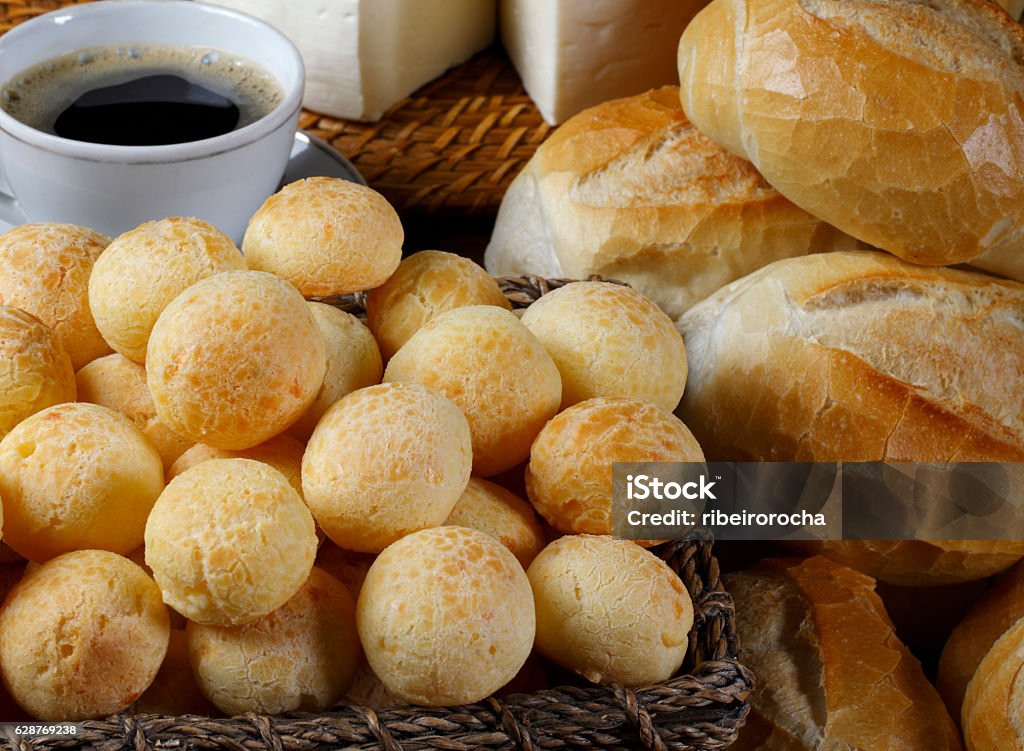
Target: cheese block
(362,56)
(573,54)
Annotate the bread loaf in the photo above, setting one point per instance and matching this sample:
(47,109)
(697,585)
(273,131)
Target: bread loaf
(901,123)
(630,190)
(832,672)
(995,613)
(863,357)
(857,357)
(914,563)
(991,717)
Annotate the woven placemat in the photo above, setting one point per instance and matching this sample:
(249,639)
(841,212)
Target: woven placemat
(453,147)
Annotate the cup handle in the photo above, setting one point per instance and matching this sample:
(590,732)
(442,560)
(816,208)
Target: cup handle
(10,210)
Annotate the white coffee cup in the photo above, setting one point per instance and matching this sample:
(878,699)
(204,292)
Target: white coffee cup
(112,188)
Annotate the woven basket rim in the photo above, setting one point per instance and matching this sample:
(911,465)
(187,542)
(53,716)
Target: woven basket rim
(700,709)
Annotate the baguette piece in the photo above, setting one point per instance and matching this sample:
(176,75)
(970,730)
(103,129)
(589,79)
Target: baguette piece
(992,717)
(919,563)
(630,190)
(992,616)
(857,357)
(910,139)
(832,672)
(862,357)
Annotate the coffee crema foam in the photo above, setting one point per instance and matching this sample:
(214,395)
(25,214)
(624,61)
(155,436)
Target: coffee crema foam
(38,95)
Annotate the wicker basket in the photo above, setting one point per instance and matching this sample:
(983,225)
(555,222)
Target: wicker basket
(452,148)
(700,709)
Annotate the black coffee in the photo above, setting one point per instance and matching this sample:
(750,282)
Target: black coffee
(148,111)
(141,96)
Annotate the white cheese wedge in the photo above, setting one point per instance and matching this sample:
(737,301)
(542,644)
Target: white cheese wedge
(573,54)
(363,56)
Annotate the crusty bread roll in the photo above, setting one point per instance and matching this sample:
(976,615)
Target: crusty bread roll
(832,672)
(913,563)
(992,713)
(857,357)
(630,190)
(901,123)
(995,613)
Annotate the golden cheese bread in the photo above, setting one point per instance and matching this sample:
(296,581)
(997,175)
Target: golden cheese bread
(631,190)
(833,672)
(901,123)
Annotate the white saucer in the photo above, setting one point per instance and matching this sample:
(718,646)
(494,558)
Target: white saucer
(311,157)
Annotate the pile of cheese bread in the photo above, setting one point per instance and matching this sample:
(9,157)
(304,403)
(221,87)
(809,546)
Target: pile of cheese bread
(220,495)
(831,206)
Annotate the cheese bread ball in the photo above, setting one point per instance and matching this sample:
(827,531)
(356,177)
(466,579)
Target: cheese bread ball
(235,359)
(174,690)
(300,657)
(281,452)
(44,270)
(35,371)
(488,363)
(569,477)
(498,512)
(326,236)
(77,476)
(228,541)
(386,461)
(142,270)
(610,610)
(368,691)
(446,616)
(609,340)
(116,382)
(346,566)
(82,636)
(353,362)
(425,284)
(138,557)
